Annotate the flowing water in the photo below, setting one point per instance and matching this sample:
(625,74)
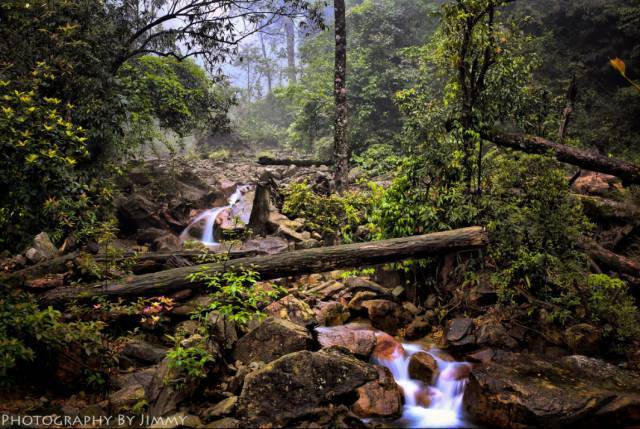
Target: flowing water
(210,216)
(445,406)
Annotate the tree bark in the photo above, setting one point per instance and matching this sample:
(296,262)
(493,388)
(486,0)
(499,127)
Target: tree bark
(284,264)
(291,50)
(341,149)
(614,262)
(572,93)
(260,210)
(265,160)
(267,68)
(628,172)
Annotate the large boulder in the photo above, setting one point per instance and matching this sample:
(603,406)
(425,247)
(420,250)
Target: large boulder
(41,249)
(136,212)
(332,313)
(297,384)
(360,342)
(516,390)
(143,351)
(270,340)
(381,398)
(422,366)
(387,315)
(459,332)
(165,393)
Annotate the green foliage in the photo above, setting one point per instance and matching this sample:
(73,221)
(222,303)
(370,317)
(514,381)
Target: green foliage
(219,155)
(377,159)
(333,216)
(41,149)
(26,331)
(609,303)
(236,294)
(191,360)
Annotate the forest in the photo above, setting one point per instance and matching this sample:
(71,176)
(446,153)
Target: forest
(304,213)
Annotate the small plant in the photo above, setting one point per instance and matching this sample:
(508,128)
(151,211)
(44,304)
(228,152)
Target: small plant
(609,302)
(219,155)
(191,360)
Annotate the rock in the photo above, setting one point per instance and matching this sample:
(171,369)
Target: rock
(298,383)
(380,398)
(360,342)
(222,330)
(387,348)
(269,245)
(166,243)
(418,328)
(142,377)
(520,391)
(226,423)
(387,315)
(583,338)
(491,332)
(332,313)
(41,249)
(361,296)
(177,420)
(270,340)
(422,366)
(148,235)
(292,309)
(136,212)
(483,355)
(143,351)
(459,332)
(126,398)
(222,408)
(163,395)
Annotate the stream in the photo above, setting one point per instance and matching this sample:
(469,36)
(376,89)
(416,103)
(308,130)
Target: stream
(446,393)
(208,237)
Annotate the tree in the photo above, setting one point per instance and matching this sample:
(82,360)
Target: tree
(341,149)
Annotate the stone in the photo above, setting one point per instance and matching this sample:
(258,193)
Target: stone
(459,332)
(143,351)
(166,243)
(491,332)
(41,249)
(583,338)
(222,330)
(177,420)
(126,398)
(360,342)
(148,235)
(272,339)
(518,390)
(418,328)
(387,348)
(381,398)
(422,366)
(162,396)
(142,377)
(225,423)
(332,313)
(292,309)
(387,315)
(136,212)
(298,383)
(355,303)
(222,408)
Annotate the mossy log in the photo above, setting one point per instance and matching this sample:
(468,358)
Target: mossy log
(284,264)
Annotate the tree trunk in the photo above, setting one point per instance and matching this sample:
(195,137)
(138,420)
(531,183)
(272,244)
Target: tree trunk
(628,172)
(260,209)
(291,50)
(614,262)
(267,67)
(340,151)
(285,264)
(265,160)
(572,93)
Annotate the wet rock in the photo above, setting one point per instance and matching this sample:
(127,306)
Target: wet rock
(360,342)
(380,398)
(483,355)
(332,313)
(143,351)
(583,338)
(387,315)
(422,366)
(222,330)
(292,309)
(126,398)
(387,348)
(298,383)
(41,249)
(459,332)
(522,391)
(270,340)
(222,408)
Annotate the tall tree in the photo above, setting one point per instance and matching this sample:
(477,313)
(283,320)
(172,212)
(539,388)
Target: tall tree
(290,35)
(340,150)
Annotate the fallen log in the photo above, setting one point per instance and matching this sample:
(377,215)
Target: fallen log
(611,261)
(265,160)
(585,159)
(284,264)
(605,209)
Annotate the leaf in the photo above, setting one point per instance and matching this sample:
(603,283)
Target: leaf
(619,65)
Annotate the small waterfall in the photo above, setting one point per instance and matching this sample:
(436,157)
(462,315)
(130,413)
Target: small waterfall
(211,215)
(445,407)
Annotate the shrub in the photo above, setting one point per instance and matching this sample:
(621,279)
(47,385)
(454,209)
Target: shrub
(609,303)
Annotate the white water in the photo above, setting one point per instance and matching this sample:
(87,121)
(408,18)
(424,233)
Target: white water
(445,409)
(211,215)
